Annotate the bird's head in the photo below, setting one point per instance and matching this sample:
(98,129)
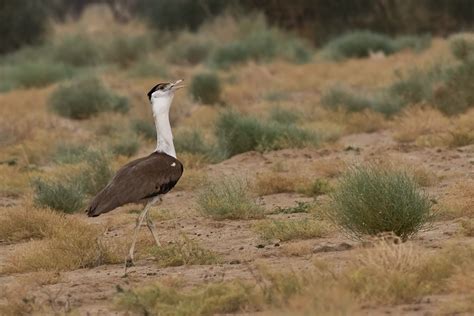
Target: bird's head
(162,94)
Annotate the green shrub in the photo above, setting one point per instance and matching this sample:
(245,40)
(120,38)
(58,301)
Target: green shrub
(297,51)
(355,101)
(127,144)
(35,74)
(372,200)
(462,46)
(22,23)
(237,134)
(359,44)
(84,98)
(144,128)
(68,194)
(206,88)
(284,116)
(123,50)
(416,43)
(188,50)
(70,153)
(228,199)
(77,50)
(66,197)
(147,68)
(456,93)
(96,174)
(191,142)
(317,187)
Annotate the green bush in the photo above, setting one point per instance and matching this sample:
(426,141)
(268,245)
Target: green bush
(34,74)
(22,23)
(84,98)
(68,194)
(144,128)
(188,50)
(70,153)
(123,50)
(359,44)
(456,93)
(238,134)
(206,88)
(147,68)
(355,101)
(191,142)
(228,199)
(66,197)
(371,200)
(462,46)
(127,144)
(284,116)
(77,50)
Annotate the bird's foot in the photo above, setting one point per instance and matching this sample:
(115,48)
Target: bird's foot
(129,262)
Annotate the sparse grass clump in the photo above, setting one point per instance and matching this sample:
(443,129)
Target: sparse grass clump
(371,200)
(462,46)
(191,141)
(285,230)
(184,252)
(215,298)
(354,101)
(274,182)
(144,128)
(124,50)
(359,44)
(72,245)
(126,144)
(68,194)
(70,153)
(29,74)
(77,50)
(237,133)
(64,196)
(84,98)
(189,49)
(206,88)
(228,199)
(316,187)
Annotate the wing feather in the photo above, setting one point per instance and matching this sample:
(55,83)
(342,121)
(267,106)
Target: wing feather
(138,180)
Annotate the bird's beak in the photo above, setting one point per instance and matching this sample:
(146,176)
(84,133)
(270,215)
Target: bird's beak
(175,86)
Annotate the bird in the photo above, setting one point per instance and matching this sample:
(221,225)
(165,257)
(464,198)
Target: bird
(145,180)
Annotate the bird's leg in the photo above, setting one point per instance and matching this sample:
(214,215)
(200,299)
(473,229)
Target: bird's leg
(152,228)
(141,217)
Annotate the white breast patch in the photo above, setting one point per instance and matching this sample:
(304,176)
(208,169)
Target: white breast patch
(173,164)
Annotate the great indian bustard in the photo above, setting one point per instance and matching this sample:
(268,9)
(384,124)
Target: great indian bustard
(146,179)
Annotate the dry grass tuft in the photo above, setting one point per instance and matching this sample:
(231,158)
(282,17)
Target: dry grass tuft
(415,122)
(467,227)
(67,243)
(458,201)
(24,222)
(365,122)
(228,199)
(275,182)
(192,179)
(291,229)
(184,252)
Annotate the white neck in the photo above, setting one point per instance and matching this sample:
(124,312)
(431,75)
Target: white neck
(164,136)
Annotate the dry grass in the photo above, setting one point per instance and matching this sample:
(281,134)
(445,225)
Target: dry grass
(414,123)
(365,122)
(25,222)
(458,201)
(66,242)
(285,230)
(184,252)
(275,182)
(467,227)
(192,179)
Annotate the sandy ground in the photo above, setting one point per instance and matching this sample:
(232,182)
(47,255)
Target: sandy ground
(91,291)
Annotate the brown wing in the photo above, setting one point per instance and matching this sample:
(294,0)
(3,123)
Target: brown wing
(138,180)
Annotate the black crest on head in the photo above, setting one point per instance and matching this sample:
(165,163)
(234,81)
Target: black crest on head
(159,86)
